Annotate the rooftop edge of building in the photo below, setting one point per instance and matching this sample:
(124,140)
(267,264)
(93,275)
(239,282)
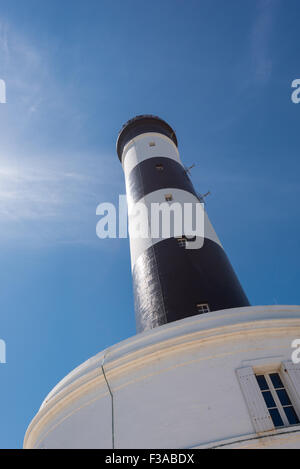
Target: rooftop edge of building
(142,124)
(210,324)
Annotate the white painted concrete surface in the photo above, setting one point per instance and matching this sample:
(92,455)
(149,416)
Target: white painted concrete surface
(172,387)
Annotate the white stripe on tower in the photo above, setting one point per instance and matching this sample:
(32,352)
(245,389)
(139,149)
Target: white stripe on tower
(141,148)
(139,245)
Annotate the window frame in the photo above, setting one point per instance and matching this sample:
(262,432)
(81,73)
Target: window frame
(204,306)
(181,240)
(279,406)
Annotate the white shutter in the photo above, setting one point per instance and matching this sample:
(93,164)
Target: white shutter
(291,373)
(256,404)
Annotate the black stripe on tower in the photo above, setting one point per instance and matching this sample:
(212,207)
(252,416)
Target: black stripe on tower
(141,125)
(157,173)
(170,282)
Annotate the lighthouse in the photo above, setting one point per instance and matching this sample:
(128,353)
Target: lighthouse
(172,279)
(206,370)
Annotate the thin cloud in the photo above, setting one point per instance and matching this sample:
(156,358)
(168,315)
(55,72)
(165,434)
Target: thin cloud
(4,40)
(27,192)
(48,193)
(55,201)
(260,40)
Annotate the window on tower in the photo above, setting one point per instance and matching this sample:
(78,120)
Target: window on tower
(159,167)
(168,197)
(202,308)
(151,144)
(181,241)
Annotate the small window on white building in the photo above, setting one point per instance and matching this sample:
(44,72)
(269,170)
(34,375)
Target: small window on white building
(272,397)
(278,402)
(151,144)
(168,197)
(202,308)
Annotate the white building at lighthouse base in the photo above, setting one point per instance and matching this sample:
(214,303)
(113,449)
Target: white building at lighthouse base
(188,384)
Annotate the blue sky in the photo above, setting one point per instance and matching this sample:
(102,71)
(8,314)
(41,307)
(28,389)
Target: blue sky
(220,73)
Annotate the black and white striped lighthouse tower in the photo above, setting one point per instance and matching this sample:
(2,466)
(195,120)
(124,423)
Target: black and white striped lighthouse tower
(170,282)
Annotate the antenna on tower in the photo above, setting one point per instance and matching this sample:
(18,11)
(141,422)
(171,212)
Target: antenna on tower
(202,197)
(187,169)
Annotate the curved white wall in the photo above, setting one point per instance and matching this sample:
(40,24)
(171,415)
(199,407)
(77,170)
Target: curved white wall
(172,387)
(138,150)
